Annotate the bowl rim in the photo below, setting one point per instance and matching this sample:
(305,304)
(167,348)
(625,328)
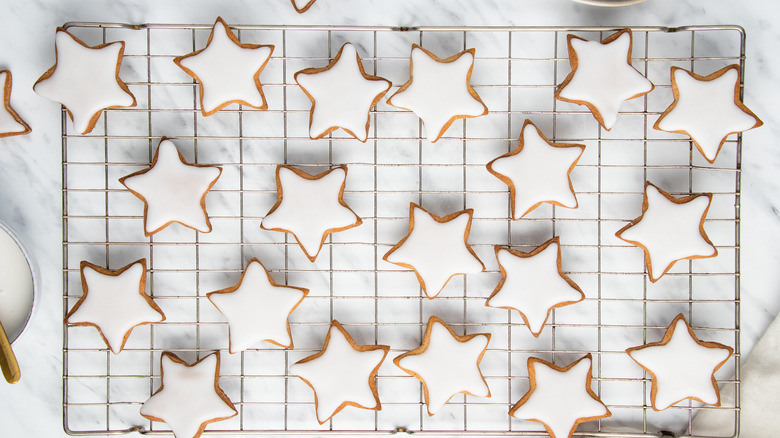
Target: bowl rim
(33,273)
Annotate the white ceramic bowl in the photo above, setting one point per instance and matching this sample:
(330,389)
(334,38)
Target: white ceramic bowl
(17,284)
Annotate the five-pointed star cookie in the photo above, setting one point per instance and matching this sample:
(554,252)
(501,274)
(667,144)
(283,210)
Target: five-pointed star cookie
(342,374)
(257,308)
(681,366)
(439,90)
(302,5)
(669,229)
(341,95)
(227,70)
(560,398)
(447,364)
(173,190)
(310,207)
(10,122)
(436,248)
(537,171)
(707,108)
(114,302)
(189,397)
(533,284)
(85,79)
(602,77)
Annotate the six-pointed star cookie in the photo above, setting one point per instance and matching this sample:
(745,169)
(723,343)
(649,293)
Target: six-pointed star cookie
(85,79)
(533,284)
(707,108)
(310,207)
(189,397)
(257,308)
(560,398)
(10,122)
(669,229)
(302,5)
(602,77)
(341,95)
(342,374)
(114,302)
(439,90)
(681,366)
(537,171)
(227,70)
(447,364)
(436,248)
(173,190)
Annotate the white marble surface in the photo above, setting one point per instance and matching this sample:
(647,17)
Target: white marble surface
(30,181)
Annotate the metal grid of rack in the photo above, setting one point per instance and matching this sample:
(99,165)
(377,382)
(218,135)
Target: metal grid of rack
(516,71)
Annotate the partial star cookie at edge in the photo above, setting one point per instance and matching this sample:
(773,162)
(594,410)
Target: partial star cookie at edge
(10,122)
(304,5)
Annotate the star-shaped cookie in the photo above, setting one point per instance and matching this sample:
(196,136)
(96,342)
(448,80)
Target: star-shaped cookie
(227,70)
(681,366)
(173,190)
(537,171)
(310,207)
(302,5)
(560,398)
(342,374)
(436,248)
(189,397)
(533,284)
(602,77)
(85,79)
(257,309)
(10,122)
(669,229)
(341,95)
(447,364)
(707,108)
(114,302)
(439,90)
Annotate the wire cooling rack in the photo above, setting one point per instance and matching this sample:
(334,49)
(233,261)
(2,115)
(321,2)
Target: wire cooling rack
(515,72)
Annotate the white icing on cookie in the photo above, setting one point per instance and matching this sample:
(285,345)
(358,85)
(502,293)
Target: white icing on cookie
(257,309)
(342,374)
(342,95)
(708,109)
(560,398)
(114,302)
(173,190)
(10,122)
(436,249)
(669,231)
(533,284)
(537,171)
(681,366)
(439,91)
(228,71)
(189,397)
(85,80)
(447,365)
(310,207)
(603,77)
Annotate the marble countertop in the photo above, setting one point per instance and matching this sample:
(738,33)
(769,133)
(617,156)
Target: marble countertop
(31,186)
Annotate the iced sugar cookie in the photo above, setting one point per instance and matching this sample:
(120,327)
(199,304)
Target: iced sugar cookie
(302,5)
(85,79)
(341,95)
(173,190)
(114,302)
(439,90)
(669,229)
(227,71)
(189,397)
(447,364)
(537,171)
(707,108)
(10,122)
(257,308)
(602,77)
(681,366)
(342,374)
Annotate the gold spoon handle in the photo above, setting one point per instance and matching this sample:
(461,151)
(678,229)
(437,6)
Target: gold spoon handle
(7,359)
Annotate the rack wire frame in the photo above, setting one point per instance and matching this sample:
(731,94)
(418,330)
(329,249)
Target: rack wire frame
(102,414)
